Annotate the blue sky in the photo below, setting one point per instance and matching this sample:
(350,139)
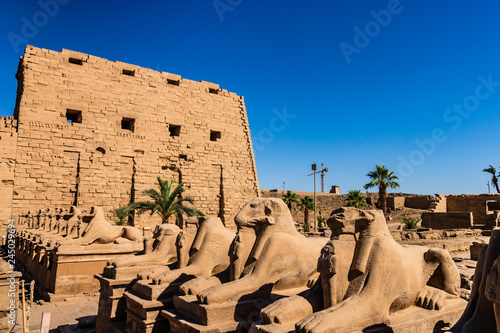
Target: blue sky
(348,83)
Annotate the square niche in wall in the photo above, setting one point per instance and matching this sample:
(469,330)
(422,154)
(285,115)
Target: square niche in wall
(73,116)
(175,130)
(128,124)
(215,135)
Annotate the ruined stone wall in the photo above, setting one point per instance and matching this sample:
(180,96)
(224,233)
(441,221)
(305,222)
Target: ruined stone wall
(447,220)
(98,132)
(395,203)
(8,147)
(325,203)
(416,201)
(438,205)
(419,202)
(475,203)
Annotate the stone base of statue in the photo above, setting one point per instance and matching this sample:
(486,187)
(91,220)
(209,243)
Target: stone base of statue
(112,304)
(72,268)
(144,303)
(413,319)
(190,316)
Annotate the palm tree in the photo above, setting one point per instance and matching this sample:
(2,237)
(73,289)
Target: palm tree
(121,214)
(494,178)
(383,178)
(166,202)
(306,204)
(289,198)
(356,199)
(321,221)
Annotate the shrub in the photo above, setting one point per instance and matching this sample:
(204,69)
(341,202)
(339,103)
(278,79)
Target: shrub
(411,223)
(321,221)
(121,214)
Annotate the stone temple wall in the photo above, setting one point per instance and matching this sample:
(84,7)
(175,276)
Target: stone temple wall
(89,131)
(8,148)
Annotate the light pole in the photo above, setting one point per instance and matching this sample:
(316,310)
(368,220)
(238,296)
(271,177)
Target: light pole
(323,170)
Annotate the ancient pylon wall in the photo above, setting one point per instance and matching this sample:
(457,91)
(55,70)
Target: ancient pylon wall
(98,132)
(8,147)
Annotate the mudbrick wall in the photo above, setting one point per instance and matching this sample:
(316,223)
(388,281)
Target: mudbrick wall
(475,203)
(325,203)
(88,131)
(447,220)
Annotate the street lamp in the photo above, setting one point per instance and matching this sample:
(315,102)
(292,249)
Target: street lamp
(323,170)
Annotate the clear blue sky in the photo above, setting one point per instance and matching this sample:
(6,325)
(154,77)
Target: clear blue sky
(346,83)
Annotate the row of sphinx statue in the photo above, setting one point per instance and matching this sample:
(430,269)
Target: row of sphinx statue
(359,278)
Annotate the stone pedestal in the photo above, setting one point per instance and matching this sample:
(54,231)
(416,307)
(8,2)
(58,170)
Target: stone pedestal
(413,319)
(476,248)
(72,267)
(112,304)
(144,303)
(191,316)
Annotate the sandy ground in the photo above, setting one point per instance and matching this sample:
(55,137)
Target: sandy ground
(71,315)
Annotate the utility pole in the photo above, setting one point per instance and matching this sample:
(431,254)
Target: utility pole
(322,171)
(283,186)
(488,183)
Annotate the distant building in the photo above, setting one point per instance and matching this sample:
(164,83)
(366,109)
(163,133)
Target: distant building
(335,189)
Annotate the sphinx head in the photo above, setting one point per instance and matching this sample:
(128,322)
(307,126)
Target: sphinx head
(185,240)
(256,221)
(262,211)
(350,220)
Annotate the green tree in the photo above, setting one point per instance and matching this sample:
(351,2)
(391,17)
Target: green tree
(306,204)
(289,198)
(167,201)
(356,199)
(494,178)
(122,213)
(383,178)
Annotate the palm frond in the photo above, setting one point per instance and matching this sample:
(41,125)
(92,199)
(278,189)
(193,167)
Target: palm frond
(306,203)
(356,199)
(153,194)
(166,201)
(491,170)
(122,213)
(381,176)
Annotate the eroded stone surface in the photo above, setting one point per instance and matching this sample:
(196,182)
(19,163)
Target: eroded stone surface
(366,276)
(268,259)
(482,313)
(202,249)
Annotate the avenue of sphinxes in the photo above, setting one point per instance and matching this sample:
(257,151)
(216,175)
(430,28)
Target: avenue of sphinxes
(89,135)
